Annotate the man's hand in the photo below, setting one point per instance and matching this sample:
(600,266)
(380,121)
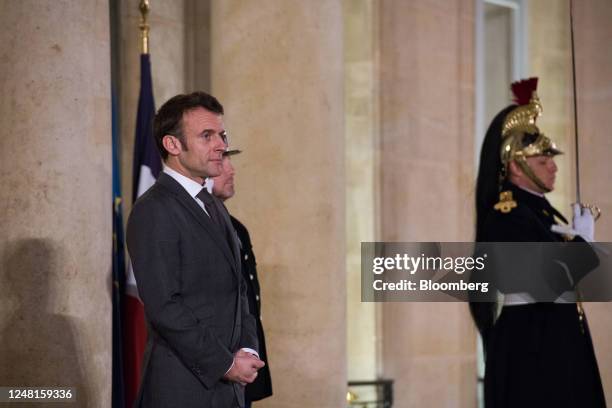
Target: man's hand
(244,369)
(584,222)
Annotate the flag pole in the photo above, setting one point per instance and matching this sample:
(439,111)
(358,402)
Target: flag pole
(144,26)
(146,167)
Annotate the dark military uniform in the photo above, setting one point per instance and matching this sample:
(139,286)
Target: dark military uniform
(262,386)
(537,354)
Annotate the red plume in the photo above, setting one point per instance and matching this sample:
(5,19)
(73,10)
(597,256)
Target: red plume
(523,90)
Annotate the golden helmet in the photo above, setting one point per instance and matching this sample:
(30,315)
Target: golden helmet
(521,138)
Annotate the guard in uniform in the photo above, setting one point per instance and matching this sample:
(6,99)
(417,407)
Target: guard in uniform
(537,354)
(223,188)
(262,386)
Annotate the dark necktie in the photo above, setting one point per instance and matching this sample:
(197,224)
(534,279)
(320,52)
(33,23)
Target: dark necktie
(215,215)
(210,206)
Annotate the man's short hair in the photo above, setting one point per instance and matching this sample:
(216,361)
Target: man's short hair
(169,118)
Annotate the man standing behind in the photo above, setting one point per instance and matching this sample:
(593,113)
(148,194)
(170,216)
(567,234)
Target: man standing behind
(223,188)
(201,339)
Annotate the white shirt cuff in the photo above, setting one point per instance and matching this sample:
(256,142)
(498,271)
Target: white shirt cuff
(230,367)
(251,351)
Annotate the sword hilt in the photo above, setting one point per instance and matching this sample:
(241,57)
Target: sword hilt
(595,211)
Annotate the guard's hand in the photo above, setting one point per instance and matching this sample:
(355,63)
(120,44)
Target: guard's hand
(584,222)
(244,370)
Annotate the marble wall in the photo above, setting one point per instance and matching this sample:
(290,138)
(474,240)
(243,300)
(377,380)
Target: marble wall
(427,188)
(55,167)
(277,66)
(593,36)
(550,58)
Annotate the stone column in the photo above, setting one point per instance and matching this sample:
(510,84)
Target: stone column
(593,35)
(277,67)
(428,179)
(55,167)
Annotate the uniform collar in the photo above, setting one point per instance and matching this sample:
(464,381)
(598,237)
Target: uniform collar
(533,200)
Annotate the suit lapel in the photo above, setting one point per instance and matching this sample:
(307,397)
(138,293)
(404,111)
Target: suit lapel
(204,220)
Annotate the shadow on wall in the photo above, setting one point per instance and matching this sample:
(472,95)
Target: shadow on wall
(38,347)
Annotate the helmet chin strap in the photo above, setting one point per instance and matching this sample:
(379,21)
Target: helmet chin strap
(522,163)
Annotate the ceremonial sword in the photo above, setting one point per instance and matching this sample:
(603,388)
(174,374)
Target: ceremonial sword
(593,208)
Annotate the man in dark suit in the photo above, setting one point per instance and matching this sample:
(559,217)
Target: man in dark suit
(202,341)
(223,188)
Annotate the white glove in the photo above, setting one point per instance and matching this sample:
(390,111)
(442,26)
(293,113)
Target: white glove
(584,222)
(563,229)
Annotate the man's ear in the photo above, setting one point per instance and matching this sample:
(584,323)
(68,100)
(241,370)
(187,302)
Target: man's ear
(514,169)
(172,145)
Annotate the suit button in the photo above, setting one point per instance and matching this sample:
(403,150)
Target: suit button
(246,256)
(251,276)
(257,297)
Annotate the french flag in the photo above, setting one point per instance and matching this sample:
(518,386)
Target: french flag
(147,166)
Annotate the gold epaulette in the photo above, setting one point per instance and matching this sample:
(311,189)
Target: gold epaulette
(506,202)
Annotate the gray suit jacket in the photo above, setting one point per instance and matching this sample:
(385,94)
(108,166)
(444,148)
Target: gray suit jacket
(188,275)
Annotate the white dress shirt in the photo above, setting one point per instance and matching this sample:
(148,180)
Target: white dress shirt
(192,187)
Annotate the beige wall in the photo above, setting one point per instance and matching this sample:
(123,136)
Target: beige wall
(427,137)
(593,36)
(277,67)
(197,45)
(550,56)
(55,167)
(550,60)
